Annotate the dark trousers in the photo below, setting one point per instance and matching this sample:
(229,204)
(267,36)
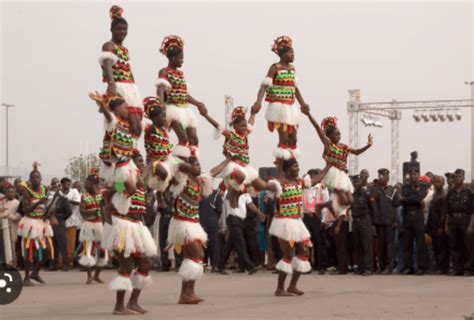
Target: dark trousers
(164,226)
(250,233)
(237,239)
(213,250)
(414,230)
(363,241)
(60,243)
(385,247)
(313,224)
(460,247)
(441,251)
(341,247)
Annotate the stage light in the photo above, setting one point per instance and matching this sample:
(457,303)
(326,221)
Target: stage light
(424,116)
(442,116)
(434,116)
(416,116)
(458,114)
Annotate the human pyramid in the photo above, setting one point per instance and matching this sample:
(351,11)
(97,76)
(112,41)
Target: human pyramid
(176,169)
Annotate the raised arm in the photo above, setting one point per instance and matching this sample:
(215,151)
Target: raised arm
(370,142)
(95,96)
(218,169)
(322,136)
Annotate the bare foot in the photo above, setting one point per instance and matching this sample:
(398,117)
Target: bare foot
(283,293)
(137,308)
(27,283)
(295,291)
(89,281)
(187,300)
(36,277)
(97,279)
(123,312)
(198,299)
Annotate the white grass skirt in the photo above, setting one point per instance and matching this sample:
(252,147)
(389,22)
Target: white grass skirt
(35,229)
(283,113)
(171,166)
(250,173)
(184,115)
(289,229)
(336,179)
(111,174)
(91,231)
(128,237)
(181,232)
(129,92)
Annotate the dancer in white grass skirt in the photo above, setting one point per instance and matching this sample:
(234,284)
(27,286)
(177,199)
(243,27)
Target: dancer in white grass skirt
(117,71)
(173,90)
(280,90)
(34,228)
(335,154)
(287,225)
(92,254)
(132,244)
(162,166)
(185,233)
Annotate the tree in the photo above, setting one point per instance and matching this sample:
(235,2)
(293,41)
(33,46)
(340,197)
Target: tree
(78,167)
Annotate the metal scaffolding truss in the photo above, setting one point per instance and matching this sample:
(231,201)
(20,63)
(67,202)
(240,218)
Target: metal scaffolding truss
(393,111)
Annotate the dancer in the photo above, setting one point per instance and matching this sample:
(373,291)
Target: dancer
(92,255)
(117,72)
(335,154)
(173,90)
(185,232)
(162,166)
(287,225)
(238,173)
(280,89)
(117,167)
(132,243)
(34,227)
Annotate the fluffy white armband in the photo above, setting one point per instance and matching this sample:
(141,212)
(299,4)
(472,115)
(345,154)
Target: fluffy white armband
(279,189)
(106,55)
(163,82)
(267,82)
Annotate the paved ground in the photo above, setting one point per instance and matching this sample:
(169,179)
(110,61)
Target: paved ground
(240,296)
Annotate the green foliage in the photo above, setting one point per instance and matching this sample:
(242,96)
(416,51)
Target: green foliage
(78,167)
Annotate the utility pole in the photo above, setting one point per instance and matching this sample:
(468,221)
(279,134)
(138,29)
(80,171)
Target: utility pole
(471,83)
(6,135)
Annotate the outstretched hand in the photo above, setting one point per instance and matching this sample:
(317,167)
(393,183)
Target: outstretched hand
(256,108)
(95,96)
(370,140)
(305,109)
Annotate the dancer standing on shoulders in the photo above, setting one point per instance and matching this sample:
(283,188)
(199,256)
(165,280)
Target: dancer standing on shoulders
(280,90)
(335,154)
(173,90)
(117,71)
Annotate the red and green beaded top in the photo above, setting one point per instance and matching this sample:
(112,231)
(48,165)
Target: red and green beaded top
(187,203)
(178,94)
(290,202)
(283,89)
(92,202)
(336,155)
(39,211)
(122,139)
(106,150)
(157,143)
(236,147)
(138,205)
(121,70)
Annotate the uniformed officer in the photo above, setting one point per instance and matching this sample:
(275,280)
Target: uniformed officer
(413,193)
(386,198)
(362,208)
(460,225)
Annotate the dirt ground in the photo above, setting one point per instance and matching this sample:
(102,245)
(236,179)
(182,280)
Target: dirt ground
(240,296)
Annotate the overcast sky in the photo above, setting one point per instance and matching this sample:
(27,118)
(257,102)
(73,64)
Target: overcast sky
(401,51)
